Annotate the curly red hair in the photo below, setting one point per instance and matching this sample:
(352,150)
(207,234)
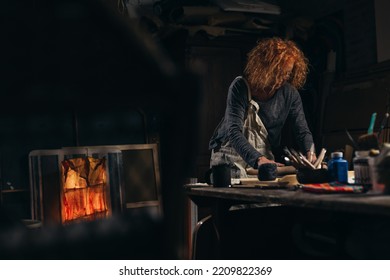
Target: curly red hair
(264,68)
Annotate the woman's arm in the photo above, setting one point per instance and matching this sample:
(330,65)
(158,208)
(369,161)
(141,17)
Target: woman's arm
(236,108)
(302,133)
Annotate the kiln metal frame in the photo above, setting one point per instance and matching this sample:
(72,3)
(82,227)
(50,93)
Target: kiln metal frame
(112,153)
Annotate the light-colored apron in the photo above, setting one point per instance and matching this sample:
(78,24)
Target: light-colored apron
(256,134)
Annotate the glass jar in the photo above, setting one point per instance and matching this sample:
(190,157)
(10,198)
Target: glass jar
(361,168)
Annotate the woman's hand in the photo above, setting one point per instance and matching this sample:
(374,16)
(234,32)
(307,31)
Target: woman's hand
(263,160)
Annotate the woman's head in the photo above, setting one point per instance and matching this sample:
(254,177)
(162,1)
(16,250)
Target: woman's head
(275,61)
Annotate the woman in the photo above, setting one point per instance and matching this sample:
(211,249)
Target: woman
(258,106)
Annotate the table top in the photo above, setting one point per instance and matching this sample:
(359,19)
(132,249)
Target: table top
(367,203)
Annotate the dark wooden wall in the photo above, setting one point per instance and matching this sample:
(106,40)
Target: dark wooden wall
(218,66)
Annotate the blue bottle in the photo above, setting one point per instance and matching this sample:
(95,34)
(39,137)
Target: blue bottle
(338,168)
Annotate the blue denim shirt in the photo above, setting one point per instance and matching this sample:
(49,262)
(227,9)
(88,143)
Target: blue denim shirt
(285,104)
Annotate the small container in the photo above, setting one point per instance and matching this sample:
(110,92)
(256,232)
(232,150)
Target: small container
(361,168)
(219,176)
(312,176)
(376,186)
(338,168)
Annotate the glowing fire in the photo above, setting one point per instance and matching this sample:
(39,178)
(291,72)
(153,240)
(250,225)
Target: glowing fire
(84,189)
